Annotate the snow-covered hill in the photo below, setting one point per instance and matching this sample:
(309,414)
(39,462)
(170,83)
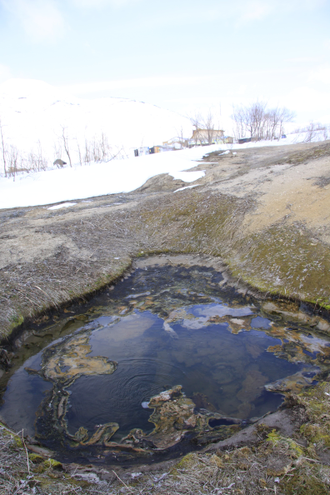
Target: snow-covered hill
(38,122)
(41,120)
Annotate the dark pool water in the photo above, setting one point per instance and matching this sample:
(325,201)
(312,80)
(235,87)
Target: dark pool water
(230,370)
(163,327)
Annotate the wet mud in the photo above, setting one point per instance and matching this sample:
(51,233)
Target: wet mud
(171,359)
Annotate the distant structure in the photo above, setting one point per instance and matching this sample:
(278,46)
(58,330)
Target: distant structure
(207,136)
(176,143)
(155,149)
(200,137)
(244,140)
(148,151)
(144,150)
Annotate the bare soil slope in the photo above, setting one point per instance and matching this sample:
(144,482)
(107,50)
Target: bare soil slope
(264,211)
(261,213)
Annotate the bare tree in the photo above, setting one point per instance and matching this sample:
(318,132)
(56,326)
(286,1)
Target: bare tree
(260,123)
(3,149)
(239,119)
(196,122)
(312,128)
(208,125)
(13,161)
(58,148)
(257,119)
(250,120)
(66,144)
(79,152)
(285,116)
(325,132)
(181,137)
(35,160)
(205,131)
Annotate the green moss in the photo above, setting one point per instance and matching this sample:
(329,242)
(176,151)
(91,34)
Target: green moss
(35,458)
(18,441)
(16,321)
(52,463)
(186,463)
(273,437)
(304,484)
(320,302)
(316,434)
(280,260)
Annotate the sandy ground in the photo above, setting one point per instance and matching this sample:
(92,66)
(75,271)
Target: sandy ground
(295,186)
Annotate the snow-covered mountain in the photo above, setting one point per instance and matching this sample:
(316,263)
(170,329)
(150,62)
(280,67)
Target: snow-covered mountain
(39,119)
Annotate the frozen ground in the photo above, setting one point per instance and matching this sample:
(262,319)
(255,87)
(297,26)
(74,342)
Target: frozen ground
(35,118)
(97,179)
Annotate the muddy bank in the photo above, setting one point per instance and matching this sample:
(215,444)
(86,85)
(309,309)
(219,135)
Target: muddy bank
(264,212)
(171,345)
(260,214)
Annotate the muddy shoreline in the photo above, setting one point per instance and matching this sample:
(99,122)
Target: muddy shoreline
(258,215)
(262,211)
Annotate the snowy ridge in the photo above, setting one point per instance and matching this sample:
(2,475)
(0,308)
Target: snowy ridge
(35,115)
(97,179)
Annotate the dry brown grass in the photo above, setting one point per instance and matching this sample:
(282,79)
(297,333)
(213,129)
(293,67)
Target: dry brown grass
(97,245)
(273,464)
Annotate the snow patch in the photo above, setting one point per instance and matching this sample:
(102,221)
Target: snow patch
(62,205)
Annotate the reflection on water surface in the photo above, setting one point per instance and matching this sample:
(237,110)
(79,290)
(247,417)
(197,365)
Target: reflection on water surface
(168,360)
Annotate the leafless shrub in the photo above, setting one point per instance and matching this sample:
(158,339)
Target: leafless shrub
(258,122)
(36,161)
(4,160)
(313,129)
(96,150)
(79,152)
(66,144)
(311,132)
(14,162)
(58,149)
(205,130)
(182,140)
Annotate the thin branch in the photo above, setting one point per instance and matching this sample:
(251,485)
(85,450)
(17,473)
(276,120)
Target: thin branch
(126,486)
(27,454)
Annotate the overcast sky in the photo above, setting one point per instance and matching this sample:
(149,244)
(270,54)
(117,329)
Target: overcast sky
(184,55)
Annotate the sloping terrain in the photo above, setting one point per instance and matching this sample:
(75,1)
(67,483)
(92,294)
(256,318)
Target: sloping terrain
(40,120)
(264,215)
(264,211)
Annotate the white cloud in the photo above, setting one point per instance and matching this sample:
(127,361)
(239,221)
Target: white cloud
(147,82)
(256,10)
(40,19)
(5,73)
(102,3)
(305,99)
(321,74)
